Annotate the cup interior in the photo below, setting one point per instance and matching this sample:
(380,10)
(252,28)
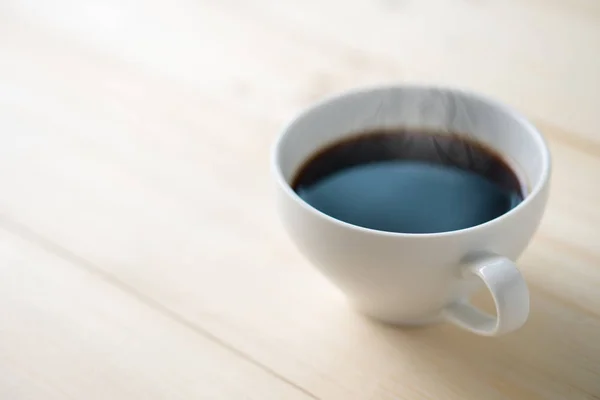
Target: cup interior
(440,109)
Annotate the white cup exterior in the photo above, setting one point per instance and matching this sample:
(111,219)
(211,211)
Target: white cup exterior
(418,278)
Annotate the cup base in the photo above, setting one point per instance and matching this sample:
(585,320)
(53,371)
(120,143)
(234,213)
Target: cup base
(403,322)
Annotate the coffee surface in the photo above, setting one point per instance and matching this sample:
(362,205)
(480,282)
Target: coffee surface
(409,181)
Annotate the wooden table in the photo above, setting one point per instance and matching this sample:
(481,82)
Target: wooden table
(140,256)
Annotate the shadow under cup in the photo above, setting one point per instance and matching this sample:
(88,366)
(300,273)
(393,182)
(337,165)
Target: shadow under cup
(400,277)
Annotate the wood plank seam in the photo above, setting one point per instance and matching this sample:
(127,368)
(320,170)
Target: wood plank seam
(35,239)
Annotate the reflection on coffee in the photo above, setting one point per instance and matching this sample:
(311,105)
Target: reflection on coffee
(409,181)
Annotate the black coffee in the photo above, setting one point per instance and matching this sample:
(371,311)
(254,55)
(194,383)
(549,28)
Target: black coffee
(409,181)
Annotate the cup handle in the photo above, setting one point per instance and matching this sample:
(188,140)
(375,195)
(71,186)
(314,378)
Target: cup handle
(508,289)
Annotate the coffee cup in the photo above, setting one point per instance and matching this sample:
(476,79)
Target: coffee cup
(423,278)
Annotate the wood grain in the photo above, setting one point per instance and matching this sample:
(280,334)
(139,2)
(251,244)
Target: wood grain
(139,251)
(71,333)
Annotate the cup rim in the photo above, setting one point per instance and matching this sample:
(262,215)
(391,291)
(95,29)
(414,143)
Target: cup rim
(518,116)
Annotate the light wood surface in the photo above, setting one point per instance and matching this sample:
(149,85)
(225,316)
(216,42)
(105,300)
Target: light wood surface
(140,256)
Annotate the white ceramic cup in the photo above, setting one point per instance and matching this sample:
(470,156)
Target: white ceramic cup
(413,279)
